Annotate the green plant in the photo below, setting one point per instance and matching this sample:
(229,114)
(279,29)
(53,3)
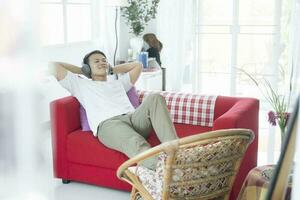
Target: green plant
(280,105)
(139,13)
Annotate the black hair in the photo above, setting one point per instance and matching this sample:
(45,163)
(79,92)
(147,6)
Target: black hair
(86,57)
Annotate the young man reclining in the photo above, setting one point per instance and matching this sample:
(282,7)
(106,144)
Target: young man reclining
(112,118)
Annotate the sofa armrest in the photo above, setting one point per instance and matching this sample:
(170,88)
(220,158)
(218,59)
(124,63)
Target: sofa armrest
(243,114)
(64,120)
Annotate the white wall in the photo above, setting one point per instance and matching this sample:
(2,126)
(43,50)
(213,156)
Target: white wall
(72,53)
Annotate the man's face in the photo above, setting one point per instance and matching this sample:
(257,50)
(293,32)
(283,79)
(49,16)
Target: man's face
(98,64)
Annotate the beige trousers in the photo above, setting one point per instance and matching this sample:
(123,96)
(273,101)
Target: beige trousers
(128,133)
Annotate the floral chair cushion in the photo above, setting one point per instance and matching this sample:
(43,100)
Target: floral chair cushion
(152,180)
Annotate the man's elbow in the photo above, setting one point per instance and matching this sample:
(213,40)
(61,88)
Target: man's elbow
(56,70)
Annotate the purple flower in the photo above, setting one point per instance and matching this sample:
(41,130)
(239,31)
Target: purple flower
(286,116)
(272,118)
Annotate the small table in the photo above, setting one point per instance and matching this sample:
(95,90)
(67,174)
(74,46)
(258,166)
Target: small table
(257,182)
(150,79)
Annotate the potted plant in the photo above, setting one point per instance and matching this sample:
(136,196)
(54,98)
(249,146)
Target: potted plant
(280,105)
(137,15)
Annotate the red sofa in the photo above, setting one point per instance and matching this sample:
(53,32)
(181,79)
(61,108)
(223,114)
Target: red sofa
(79,156)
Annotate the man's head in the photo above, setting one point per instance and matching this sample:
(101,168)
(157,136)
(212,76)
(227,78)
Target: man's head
(95,65)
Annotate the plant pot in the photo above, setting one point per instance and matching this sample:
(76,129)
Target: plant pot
(136,44)
(282,136)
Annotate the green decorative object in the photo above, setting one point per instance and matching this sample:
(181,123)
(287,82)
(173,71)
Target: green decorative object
(138,14)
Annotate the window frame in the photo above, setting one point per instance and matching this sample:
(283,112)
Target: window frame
(64,4)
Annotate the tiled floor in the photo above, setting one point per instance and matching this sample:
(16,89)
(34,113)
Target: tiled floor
(21,178)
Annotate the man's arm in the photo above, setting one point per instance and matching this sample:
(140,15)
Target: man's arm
(134,69)
(59,69)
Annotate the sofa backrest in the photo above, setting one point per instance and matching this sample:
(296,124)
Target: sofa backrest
(186,108)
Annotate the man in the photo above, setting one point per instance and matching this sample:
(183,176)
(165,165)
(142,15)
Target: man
(111,116)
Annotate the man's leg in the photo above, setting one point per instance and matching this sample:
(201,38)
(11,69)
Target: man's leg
(117,133)
(153,112)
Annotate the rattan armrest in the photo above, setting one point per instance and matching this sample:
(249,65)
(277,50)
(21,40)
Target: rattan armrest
(171,147)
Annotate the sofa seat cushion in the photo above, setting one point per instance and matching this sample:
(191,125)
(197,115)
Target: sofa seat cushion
(86,149)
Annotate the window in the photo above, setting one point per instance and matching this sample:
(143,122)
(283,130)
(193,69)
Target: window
(65,21)
(235,34)
(243,34)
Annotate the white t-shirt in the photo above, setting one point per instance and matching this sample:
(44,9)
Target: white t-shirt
(101,99)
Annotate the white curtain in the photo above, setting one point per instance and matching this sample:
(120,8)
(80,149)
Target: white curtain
(295,60)
(175,31)
(295,47)
(19,101)
(105,35)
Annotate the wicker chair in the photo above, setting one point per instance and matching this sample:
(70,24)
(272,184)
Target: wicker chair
(201,166)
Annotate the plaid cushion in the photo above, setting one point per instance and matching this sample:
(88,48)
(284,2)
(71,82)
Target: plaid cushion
(187,108)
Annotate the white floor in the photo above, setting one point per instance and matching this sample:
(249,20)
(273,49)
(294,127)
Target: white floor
(25,176)
(44,187)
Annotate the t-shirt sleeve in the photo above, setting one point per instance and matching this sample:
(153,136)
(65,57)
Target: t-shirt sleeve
(125,80)
(70,82)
